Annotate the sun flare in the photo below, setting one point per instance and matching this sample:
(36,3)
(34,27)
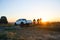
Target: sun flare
(44,19)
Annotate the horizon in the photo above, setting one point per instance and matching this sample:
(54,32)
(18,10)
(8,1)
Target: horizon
(48,10)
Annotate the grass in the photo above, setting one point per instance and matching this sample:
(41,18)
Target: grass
(3,36)
(11,32)
(6,25)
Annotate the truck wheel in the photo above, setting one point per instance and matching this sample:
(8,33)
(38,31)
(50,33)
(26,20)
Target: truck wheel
(15,24)
(27,24)
(22,24)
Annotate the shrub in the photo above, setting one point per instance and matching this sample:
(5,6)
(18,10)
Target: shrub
(3,20)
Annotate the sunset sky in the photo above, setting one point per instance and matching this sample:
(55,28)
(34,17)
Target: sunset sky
(30,9)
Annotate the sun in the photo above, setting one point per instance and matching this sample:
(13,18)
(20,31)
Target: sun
(44,19)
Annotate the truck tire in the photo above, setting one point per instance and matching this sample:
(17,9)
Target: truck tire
(27,24)
(15,24)
(22,24)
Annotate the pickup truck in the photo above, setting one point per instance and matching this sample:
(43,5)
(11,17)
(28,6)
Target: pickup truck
(23,22)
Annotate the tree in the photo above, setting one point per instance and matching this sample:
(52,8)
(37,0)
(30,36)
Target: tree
(0,20)
(4,20)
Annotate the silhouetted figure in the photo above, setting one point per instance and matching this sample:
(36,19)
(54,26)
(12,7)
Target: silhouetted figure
(34,21)
(38,21)
(3,20)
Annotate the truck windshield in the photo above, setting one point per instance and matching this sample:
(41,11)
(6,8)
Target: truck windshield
(21,19)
